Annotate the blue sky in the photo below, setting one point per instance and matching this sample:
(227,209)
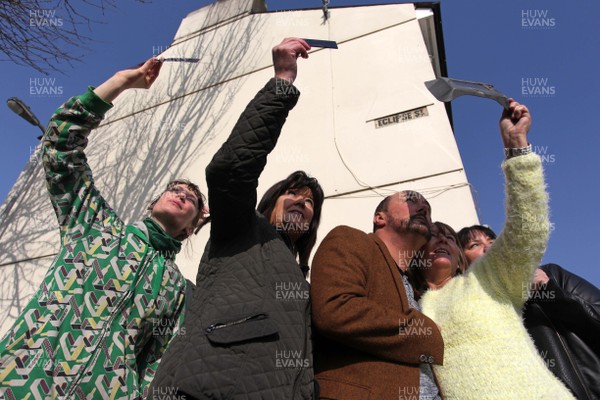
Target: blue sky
(544,53)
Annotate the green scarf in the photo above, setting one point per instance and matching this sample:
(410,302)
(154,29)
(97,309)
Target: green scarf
(160,240)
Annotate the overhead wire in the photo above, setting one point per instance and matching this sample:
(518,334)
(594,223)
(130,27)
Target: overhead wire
(379,192)
(333,120)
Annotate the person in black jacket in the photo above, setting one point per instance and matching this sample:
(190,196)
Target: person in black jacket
(247,328)
(562,315)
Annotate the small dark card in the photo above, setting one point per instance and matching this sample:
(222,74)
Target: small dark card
(329,44)
(193,60)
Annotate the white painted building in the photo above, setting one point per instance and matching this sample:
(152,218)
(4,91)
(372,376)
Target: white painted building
(365,126)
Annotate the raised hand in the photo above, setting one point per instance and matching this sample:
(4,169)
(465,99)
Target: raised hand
(142,77)
(137,78)
(285,55)
(514,125)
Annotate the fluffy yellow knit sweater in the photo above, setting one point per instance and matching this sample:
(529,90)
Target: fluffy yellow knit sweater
(487,351)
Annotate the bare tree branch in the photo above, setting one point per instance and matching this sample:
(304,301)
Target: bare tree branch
(43,34)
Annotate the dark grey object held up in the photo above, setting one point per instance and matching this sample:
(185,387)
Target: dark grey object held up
(447,89)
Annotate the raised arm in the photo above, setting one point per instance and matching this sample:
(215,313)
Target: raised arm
(138,78)
(68,176)
(232,175)
(508,265)
(343,312)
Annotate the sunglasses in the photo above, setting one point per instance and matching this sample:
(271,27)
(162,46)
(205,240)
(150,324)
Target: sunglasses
(178,191)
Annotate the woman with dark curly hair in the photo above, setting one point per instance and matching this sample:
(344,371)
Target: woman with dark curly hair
(248,332)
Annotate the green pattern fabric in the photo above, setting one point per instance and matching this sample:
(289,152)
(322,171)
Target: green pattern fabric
(110,303)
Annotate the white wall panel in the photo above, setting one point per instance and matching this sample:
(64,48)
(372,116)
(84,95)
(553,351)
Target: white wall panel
(172,130)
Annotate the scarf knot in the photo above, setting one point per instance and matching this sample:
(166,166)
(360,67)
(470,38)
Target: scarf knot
(161,241)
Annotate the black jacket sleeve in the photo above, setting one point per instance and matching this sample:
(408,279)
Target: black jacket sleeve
(232,175)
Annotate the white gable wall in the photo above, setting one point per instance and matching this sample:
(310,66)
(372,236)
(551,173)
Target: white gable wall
(172,130)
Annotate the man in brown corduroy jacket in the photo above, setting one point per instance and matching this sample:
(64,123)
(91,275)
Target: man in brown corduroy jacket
(371,342)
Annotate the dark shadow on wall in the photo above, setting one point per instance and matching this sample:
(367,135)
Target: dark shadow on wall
(162,143)
(29,224)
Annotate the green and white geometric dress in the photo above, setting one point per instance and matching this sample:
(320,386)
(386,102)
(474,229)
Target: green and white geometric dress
(112,299)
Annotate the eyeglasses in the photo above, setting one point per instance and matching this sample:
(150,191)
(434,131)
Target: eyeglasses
(178,191)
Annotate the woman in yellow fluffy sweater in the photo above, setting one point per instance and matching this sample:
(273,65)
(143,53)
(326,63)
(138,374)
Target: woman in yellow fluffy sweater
(487,351)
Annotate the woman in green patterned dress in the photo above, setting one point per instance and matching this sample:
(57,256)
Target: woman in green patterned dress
(113,298)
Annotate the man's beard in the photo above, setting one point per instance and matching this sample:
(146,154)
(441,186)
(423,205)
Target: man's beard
(415,224)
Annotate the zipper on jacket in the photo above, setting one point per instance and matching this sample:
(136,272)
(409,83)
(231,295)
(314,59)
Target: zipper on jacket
(113,315)
(219,325)
(97,352)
